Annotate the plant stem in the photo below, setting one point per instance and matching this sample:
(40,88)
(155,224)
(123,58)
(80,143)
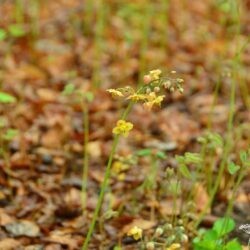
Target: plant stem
(226,150)
(86,156)
(98,42)
(105,181)
(101,195)
(35,6)
(145,38)
(88,16)
(19,11)
(164,19)
(239,179)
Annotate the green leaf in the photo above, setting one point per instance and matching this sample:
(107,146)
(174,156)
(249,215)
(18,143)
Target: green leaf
(207,245)
(216,139)
(192,158)
(144,152)
(89,96)
(233,245)
(185,171)
(225,6)
(224,226)
(180,159)
(10,134)
(232,168)
(6,98)
(68,89)
(16,30)
(210,235)
(243,156)
(117,248)
(202,140)
(3,34)
(161,155)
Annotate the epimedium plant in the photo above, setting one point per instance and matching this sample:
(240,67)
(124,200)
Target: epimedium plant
(150,94)
(214,239)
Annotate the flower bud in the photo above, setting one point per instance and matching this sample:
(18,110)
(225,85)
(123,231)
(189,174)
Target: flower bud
(171,239)
(147,79)
(156,89)
(184,238)
(150,245)
(172,89)
(167,84)
(180,229)
(181,90)
(180,222)
(158,231)
(168,226)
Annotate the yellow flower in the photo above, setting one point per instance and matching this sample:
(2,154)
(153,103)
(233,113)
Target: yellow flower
(126,91)
(137,97)
(121,177)
(115,93)
(118,167)
(153,100)
(158,100)
(135,232)
(174,246)
(122,128)
(155,74)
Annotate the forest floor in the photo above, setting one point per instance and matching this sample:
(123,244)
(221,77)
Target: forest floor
(55,43)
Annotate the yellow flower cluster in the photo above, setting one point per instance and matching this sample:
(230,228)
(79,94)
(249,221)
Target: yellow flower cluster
(155,74)
(174,246)
(150,99)
(153,99)
(115,93)
(122,128)
(149,93)
(152,76)
(121,92)
(137,97)
(135,232)
(118,169)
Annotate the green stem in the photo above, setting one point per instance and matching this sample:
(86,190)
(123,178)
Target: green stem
(98,42)
(225,151)
(86,156)
(35,6)
(175,199)
(230,204)
(101,195)
(164,18)
(153,174)
(88,16)
(145,38)
(105,182)
(19,11)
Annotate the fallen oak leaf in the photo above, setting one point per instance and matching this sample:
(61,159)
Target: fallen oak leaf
(63,239)
(23,228)
(9,244)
